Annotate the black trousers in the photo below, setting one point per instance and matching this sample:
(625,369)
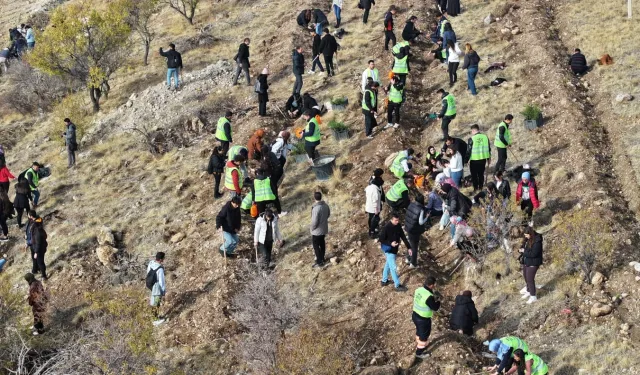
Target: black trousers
(3,225)
(5,186)
(38,265)
(393,108)
(217,177)
(265,249)
(529,273)
(446,120)
(374,221)
(453,72)
(414,241)
(311,150)
(477,168)
(19,216)
(38,325)
(423,326)
(365,16)
(262,206)
(402,77)
(389,36)
(527,207)
(501,164)
(369,122)
(262,104)
(328,62)
(225,147)
(316,62)
(319,248)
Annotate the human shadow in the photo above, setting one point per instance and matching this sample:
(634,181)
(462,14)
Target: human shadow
(188,298)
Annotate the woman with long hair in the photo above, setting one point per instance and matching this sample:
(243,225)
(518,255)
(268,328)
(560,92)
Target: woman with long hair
(453,58)
(531,260)
(527,364)
(471,61)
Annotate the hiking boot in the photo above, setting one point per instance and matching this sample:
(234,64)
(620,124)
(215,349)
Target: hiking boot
(387,126)
(385,283)
(218,196)
(401,288)
(283,213)
(4,239)
(407,261)
(370,137)
(316,265)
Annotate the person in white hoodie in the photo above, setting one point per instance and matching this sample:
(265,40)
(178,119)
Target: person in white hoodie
(265,234)
(454,52)
(155,274)
(375,197)
(456,165)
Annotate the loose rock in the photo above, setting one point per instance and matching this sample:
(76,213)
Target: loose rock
(489,19)
(624,98)
(597,278)
(599,309)
(177,237)
(106,255)
(105,237)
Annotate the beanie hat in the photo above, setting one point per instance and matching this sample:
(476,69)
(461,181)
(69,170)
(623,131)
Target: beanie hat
(265,71)
(526,176)
(494,345)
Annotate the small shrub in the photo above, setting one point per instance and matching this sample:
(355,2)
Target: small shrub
(31,90)
(337,126)
(339,101)
(76,108)
(298,148)
(531,112)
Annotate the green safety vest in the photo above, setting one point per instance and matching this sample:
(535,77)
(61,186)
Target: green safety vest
(35,177)
(396,48)
(395,193)
(315,137)
(538,367)
(247,201)
(451,105)
(373,74)
(364,103)
(233,151)
(263,190)
(395,95)
(396,167)
(220,134)
(228,178)
(515,343)
(480,150)
(446,21)
(507,136)
(400,65)
(420,303)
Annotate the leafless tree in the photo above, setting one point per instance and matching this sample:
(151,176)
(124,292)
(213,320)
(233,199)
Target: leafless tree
(187,8)
(141,13)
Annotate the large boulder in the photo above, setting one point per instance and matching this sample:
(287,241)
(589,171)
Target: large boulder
(599,309)
(106,254)
(105,237)
(380,370)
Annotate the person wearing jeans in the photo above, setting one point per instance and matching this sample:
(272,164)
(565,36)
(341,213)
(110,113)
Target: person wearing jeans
(337,9)
(33,178)
(228,223)
(471,61)
(531,260)
(456,165)
(389,238)
(174,64)
(320,213)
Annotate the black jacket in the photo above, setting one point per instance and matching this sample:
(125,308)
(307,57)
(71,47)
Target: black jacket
(388,21)
(504,189)
(369,100)
(464,315)
(328,45)
(298,62)
(216,163)
(264,86)
(471,60)
(578,61)
(174,58)
(393,233)
(366,4)
(229,218)
(532,255)
(38,237)
(444,104)
(320,17)
(23,195)
(315,48)
(302,21)
(459,204)
(410,32)
(412,218)
(308,102)
(243,54)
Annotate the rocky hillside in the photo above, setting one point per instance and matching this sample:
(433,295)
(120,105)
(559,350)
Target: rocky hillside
(140,186)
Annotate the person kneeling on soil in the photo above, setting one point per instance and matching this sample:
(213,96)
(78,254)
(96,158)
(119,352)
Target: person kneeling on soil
(578,63)
(504,349)
(228,222)
(527,364)
(464,314)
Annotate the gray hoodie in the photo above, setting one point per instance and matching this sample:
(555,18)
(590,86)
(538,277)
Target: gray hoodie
(70,134)
(159,288)
(320,213)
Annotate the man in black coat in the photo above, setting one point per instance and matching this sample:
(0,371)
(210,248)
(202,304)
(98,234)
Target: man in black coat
(38,244)
(370,100)
(366,5)
(328,46)
(410,33)
(414,223)
(458,203)
(464,314)
(242,62)
(298,69)
(228,222)
(174,65)
(389,36)
(578,62)
(315,52)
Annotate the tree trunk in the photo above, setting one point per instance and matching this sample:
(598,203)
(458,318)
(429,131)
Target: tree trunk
(190,19)
(94,94)
(147,44)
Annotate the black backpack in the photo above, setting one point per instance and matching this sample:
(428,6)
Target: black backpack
(152,277)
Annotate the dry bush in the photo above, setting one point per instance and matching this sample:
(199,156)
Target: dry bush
(267,315)
(584,243)
(32,90)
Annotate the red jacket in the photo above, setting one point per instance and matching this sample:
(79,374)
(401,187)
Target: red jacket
(533,193)
(5,175)
(235,176)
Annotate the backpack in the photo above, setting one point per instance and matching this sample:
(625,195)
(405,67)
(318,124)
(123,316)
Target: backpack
(389,160)
(152,278)
(257,88)
(22,176)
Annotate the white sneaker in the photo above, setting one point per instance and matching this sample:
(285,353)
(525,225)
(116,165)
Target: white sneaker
(311,72)
(441,227)
(158,322)
(523,290)
(387,126)
(283,213)
(396,126)
(532,299)
(526,295)
(370,137)
(531,223)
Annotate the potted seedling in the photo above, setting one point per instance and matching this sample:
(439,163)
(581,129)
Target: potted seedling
(339,104)
(532,116)
(298,152)
(339,129)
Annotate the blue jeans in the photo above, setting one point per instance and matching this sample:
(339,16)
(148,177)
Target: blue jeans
(445,219)
(230,242)
(453,230)
(36,196)
(174,72)
(390,266)
(337,10)
(319,28)
(457,177)
(2,262)
(471,79)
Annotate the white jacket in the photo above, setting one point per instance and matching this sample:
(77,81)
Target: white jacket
(260,232)
(374,74)
(455,163)
(454,54)
(374,199)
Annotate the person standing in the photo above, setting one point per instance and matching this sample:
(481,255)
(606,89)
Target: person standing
(502,142)
(263,96)
(395,91)
(502,186)
(281,147)
(328,47)
(266,232)
(174,65)
(311,135)
(5,176)
(216,168)
(315,52)
(298,69)
(33,178)
(370,108)
(456,164)
(414,223)
(471,62)
(254,146)
(223,131)
(390,237)
(242,62)
(38,244)
(228,222)
(70,141)
(31,37)
(389,36)
(424,304)
(531,259)
(337,10)
(479,151)
(366,5)
(156,282)
(400,66)
(464,315)
(453,60)
(447,113)
(320,213)
(448,35)
(233,175)
(6,212)
(370,72)
(21,200)
(527,195)
(374,198)
(38,300)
